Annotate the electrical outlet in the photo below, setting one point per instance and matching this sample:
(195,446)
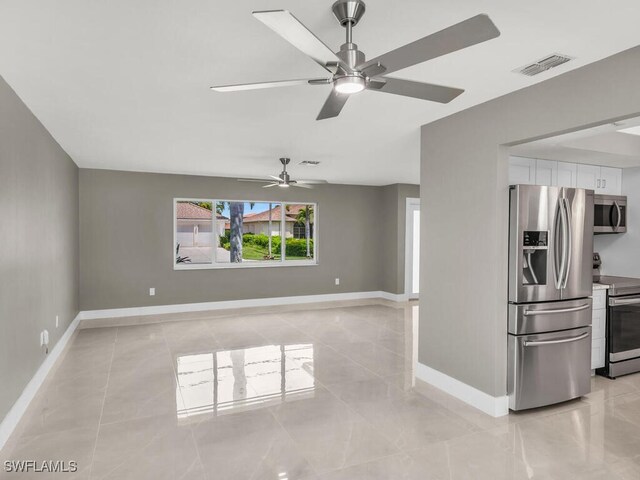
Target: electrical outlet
(44,338)
(152,292)
(57,321)
(337,281)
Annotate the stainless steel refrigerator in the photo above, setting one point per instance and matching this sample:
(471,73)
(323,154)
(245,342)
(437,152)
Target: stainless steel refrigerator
(550,282)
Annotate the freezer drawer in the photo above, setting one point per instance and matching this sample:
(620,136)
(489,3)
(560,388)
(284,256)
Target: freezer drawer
(548,368)
(531,318)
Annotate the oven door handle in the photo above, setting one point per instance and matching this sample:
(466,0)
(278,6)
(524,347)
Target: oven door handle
(535,343)
(531,313)
(615,302)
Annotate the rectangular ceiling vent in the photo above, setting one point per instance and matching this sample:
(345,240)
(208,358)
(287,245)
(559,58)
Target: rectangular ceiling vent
(310,163)
(544,64)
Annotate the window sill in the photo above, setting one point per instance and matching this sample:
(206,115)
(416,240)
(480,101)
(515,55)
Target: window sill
(207,266)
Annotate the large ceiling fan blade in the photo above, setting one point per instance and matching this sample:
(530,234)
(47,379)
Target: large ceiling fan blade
(312,182)
(293,31)
(270,185)
(300,185)
(333,105)
(277,83)
(256,180)
(277,179)
(470,32)
(424,91)
(373,70)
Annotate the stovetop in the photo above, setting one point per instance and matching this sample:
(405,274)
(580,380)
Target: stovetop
(621,285)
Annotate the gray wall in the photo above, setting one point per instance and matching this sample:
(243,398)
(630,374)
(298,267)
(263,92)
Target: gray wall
(39,243)
(126,242)
(621,253)
(464,216)
(394,207)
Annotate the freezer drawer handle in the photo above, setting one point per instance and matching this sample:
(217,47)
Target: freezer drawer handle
(530,313)
(552,342)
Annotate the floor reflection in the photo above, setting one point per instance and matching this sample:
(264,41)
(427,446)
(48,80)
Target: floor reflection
(231,380)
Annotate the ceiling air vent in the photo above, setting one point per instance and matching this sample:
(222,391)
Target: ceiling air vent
(543,65)
(310,163)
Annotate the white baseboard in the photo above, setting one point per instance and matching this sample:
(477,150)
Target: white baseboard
(229,304)
(11,420)
(494,406)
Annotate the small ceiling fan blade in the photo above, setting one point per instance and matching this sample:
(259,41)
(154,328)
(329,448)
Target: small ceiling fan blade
(376,83)
(312,182)
(373,70)
(333,105)
(257,180)
(275,84)
(271,185)
(424,91)
(277,179)
(300,185)
(470,32)
(293,31)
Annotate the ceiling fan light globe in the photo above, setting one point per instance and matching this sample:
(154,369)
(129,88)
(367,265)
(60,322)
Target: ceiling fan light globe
(283,185)
(349,85)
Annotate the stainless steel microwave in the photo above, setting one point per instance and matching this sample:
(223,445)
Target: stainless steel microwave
(610,214)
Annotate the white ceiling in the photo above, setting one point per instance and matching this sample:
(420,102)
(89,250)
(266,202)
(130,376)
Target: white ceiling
(123,84)
(606,144)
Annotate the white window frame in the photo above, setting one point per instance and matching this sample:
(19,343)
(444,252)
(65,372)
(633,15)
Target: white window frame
(214,265)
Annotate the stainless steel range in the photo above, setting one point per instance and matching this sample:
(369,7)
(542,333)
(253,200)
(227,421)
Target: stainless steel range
(623,326)
(550,281)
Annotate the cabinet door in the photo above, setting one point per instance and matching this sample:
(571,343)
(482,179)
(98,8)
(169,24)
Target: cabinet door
(611,181)
(567,174)
(546,172)
(588,176)
(522,171)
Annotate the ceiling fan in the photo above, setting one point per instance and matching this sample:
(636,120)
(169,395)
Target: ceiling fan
(284,180)
(350,73)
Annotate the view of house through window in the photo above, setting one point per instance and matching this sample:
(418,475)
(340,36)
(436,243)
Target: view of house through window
(243,232)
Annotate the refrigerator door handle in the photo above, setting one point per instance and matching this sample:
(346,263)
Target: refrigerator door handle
(530,343)
(568,241)
(558,246)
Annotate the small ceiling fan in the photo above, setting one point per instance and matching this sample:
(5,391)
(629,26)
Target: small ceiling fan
(283,180)
(350,73)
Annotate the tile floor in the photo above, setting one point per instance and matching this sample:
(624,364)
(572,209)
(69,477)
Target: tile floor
(310,394)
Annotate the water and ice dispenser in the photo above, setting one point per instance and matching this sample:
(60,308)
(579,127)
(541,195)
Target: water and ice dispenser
(535,248)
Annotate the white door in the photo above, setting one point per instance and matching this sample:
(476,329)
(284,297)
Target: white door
(588,177)
(611,181)
(412,248)
(522,171)
(567,173)
(546,172)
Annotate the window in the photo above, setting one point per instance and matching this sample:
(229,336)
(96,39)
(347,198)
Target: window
(213,233)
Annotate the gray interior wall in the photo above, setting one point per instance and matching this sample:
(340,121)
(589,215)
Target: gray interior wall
(39,239)
(464,216)
(621,253)
(126,241)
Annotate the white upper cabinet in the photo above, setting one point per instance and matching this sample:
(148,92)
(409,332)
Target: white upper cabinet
(531,171)
(522,171)
(546,172)
(611,181)
(567,174)
(588,177)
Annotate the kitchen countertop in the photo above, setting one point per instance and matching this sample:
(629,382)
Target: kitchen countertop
(619,285)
